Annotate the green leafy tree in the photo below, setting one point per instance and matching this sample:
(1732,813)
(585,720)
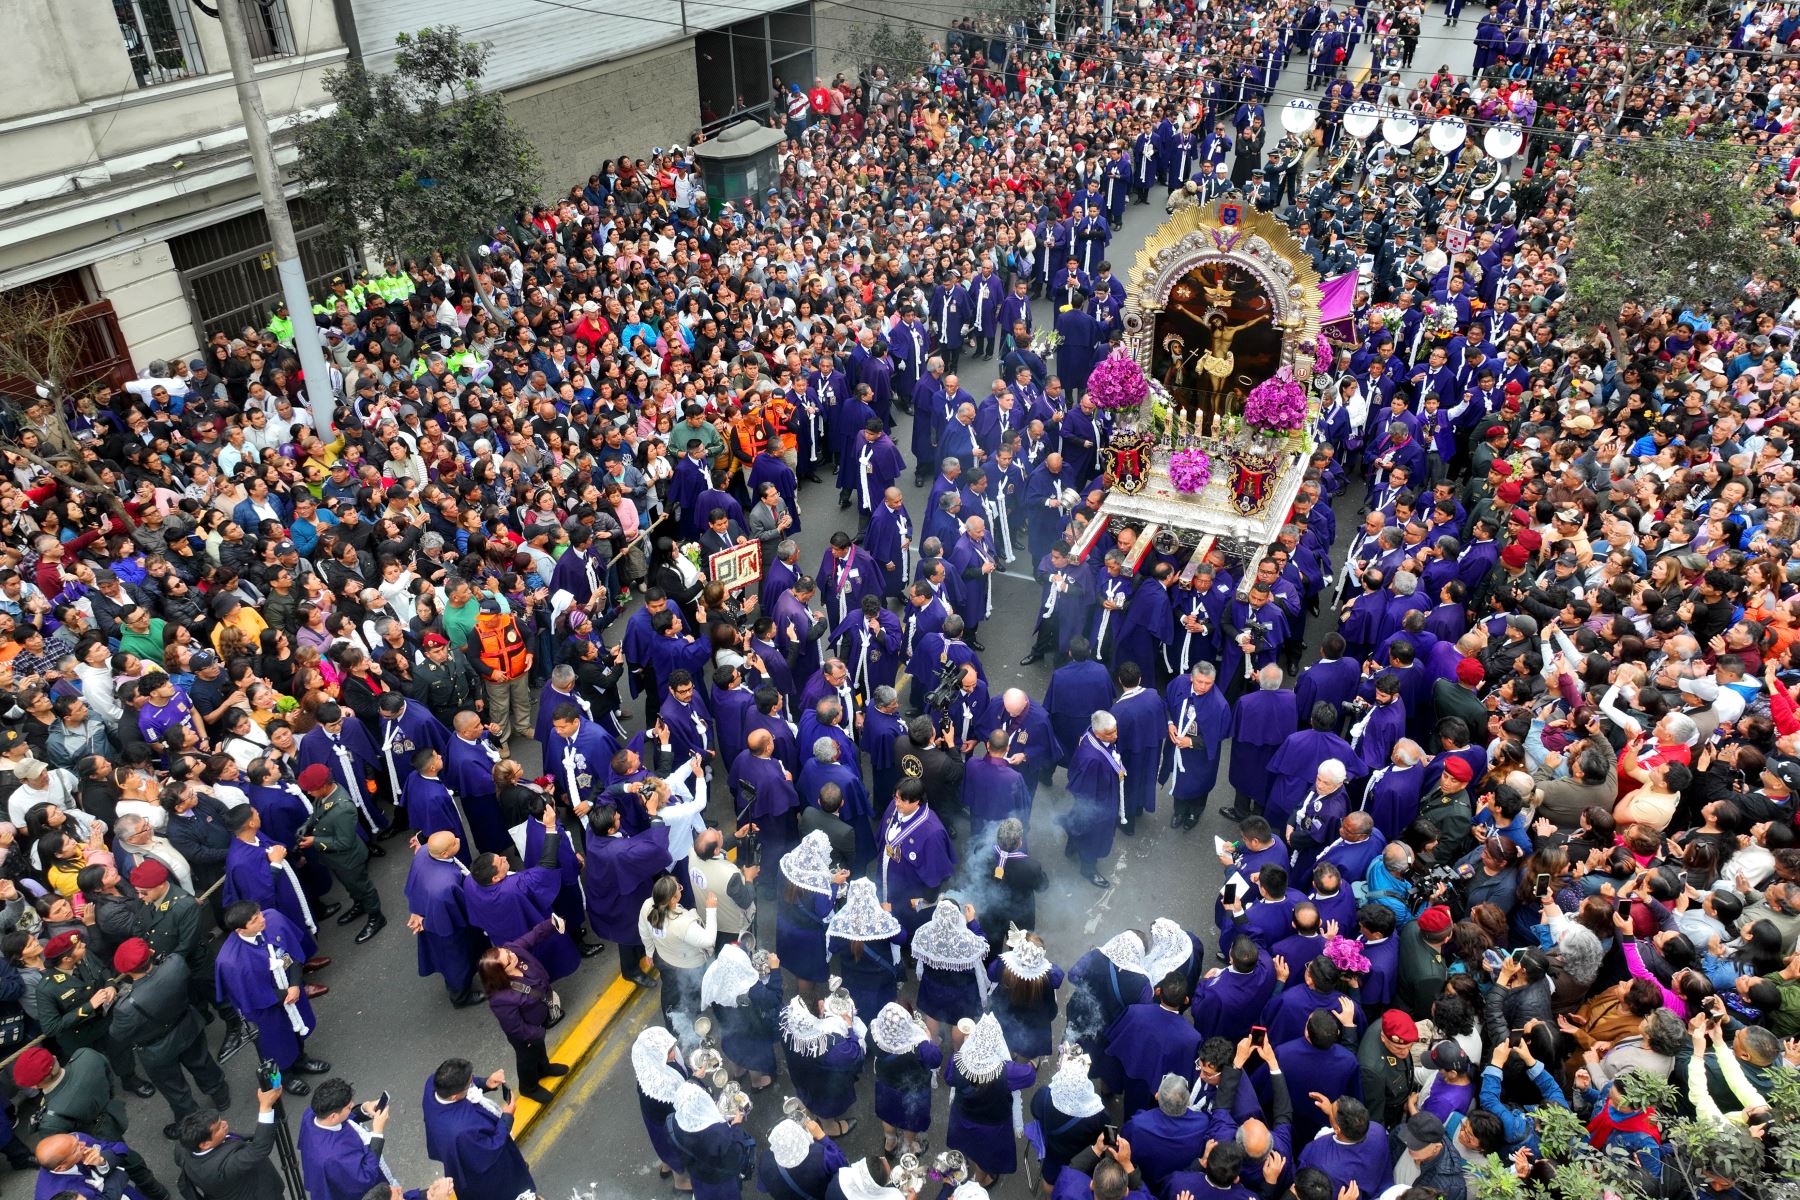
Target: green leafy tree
(419,158)
(1659,218)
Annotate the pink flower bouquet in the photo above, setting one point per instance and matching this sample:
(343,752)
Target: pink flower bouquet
(1117,382)
(1190,471)
(1347,956)
(1323,354)
(1276,406)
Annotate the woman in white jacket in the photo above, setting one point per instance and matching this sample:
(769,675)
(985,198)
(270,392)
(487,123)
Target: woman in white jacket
(95,672)
(680,942)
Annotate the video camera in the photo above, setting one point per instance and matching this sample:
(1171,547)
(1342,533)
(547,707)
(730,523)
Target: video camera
(949,683)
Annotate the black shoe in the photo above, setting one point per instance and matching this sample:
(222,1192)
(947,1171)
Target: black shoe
(375,851)
(555,1069)
(641,979)
(236,1038)
(171,1130)
(139,1087)
(222,1101)
(591,949)
(376,924)
(296,1087)
(326,910)
(312,1066)
(535,1092)
(468,999)
(1192,820)
(390,833)
(1128,828)
(1099,880)
(976,646)
(1033,657)
(812,477)
(1234,813)
(356,911)
(1176,820)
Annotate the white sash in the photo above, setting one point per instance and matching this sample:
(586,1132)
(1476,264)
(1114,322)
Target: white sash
(1059,583)
(1185,726)
(897,831)
(1106,613)
(353,778)
(866,464)
(279,973)
(1118,765)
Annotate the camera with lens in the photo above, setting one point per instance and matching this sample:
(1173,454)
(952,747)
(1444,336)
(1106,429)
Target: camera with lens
(1257,633)
(1356,708)
(943,692)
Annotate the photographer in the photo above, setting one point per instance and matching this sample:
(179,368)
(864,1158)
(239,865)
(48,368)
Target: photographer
(711,874)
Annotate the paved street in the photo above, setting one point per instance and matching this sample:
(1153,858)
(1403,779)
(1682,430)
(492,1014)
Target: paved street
(385,1028)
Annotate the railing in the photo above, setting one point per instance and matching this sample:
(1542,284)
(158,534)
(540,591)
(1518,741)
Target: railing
(159,40)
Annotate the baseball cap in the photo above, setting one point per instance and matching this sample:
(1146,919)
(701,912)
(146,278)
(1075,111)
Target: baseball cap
(1420,1130)
(1703,690)
(1448,1056)
(203,660)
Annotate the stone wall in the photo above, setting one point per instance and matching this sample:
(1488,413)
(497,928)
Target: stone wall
(626,106)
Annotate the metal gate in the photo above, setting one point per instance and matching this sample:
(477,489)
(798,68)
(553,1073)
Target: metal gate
(228,269)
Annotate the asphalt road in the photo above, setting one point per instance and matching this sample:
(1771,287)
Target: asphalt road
(384,1027)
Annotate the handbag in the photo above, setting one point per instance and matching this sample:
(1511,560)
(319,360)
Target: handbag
(556,1011)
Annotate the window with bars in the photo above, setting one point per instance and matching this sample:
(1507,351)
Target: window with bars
(159,40)
(271,35)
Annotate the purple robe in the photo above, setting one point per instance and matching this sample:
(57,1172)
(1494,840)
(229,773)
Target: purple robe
(508,910)
(1329,682)
(856,812)
(1392,800)
(249,875)
(1361,626)
(872,468)
(1143,732)
(582,767)
(731,713)
(762,790)
(888,527)
(430,808)
(1228,1004)
(1295,766)
(1149,1042)
(86,1182)
(1367,1163)
(474,1142)
(967,560)
(1077,691)
(873,658)
(1099,791)
(790,610)
(1260,720)
(1194,772)
(993,791)
(469,772)
(413,730)
(447,946)
(336,1163)
(1148,626)
(617,879)
(843,582)
(917,857)
(1381,729)
(366,764)
(1031,733)
(244,980)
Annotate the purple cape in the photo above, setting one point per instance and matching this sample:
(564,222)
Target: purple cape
(617,879)
(446,945)
(508,910)
(475,1145)
(993,791)
(242,979)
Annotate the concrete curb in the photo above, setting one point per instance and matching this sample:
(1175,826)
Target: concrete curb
(577,1046)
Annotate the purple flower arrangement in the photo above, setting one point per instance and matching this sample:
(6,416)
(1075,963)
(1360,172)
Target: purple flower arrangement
(1117,382)
(1190,471)
(1323,354)
(1347,956)
(1276,406)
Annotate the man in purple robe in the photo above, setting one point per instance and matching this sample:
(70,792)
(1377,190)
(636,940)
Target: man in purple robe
(1046,508)
(916,855)
(1064,611)
(1078,689)
(579,756)
(347,751)
(472,1135)
(407,727)
(469,772)
(1392,799)
(1097,781)
(1152,1040)
(282,808)
(439,918)
(691,476)
(1316,818)
(1260,721)
(830,764)
(341,1158)
(558,690)
(763,794)
(1143,721)
(685,725)
(617,879)
(78,1165)
(830,682)
(257,869)
(974,561)
(430,807)
(1332,680)
(1295,765)
(799,630)
(1373,736)
(847,573)
(1199,723)
(992,788)
(506,904)
(889,540)
(580,571)
(1229,1003)
(1148,625)
(770,717)
(258,972)
(873,465)
(1356,842)
(1317,1055)
(869,642)
(1031,743)
(1360,620)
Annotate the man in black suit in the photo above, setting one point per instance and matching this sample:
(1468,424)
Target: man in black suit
(826,817)
(219,1166)
(721,533)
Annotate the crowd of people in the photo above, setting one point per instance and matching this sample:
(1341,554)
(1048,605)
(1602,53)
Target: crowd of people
(1510,888)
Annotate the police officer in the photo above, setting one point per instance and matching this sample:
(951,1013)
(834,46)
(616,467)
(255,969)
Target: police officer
(154,1016)
(73,999)
(443,681)
(333,831)
(169,921)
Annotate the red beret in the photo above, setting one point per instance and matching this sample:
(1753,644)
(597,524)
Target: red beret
(1500,466)
(131,955)
(1515,556)
(1470,671)
(1435,919)
(1494,431)
(316,778)
(60,945)
(1531,539)
(1397,1025)
(1514,388)
(33,1066)
(149,874)
(1519,515)
(435,639)
(1509,492)
(1459,768)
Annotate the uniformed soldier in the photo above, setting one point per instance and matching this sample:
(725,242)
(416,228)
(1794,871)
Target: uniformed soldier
(171,925)
(443,681)
(72,1002)
(333,831)
(79,1097)
(1388,1076)
(153,1016)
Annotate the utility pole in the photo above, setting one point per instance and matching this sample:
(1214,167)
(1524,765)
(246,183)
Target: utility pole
(281,226)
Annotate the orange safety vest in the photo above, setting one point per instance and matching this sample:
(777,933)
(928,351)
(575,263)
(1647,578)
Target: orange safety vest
(503,649)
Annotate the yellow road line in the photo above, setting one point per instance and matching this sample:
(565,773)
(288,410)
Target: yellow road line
(576,1047)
